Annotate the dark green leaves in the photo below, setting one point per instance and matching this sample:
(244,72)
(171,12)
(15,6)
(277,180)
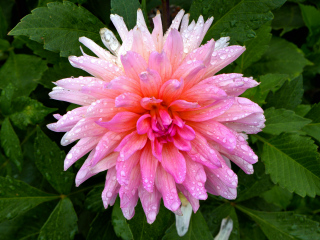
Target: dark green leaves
(17,197)
(293,162)
(313,129)
(59,27)
(49,160)
(23,72)
(282,120)
(62,223)
(237,19)
(127,9)
(11,144)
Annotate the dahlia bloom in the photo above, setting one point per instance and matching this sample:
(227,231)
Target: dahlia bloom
(156,117)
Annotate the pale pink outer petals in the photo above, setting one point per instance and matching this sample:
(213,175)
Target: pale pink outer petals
(241,108)
(111,188)
(121,122)
(130,144)
(96,67)
(204,94)
(157,33)
(119,25)
(193,201)
(129,101)
(206,27)
(195,179)
(156,147)
(150,203)
(234,84)
(129,193)
(212,111)
(222,58)
(186,132)
(86,171)
(191,36)
(103,108)
(167,187)
(150,82)
(174,25)
(106,145)
(184,23)
(202,53)
(96,49)
(76,97)
(76,84)
(69,120)
(173,47)
(144,124)
(221,43)
(124,84)
(217,132)
(82,147)
(244,165)
(148,168)
(86,127)
(173,162)
(160,63)
(215,186)
(183,105)
(96,89)
(171,90)
(133,64)
(124,168)
(250,125)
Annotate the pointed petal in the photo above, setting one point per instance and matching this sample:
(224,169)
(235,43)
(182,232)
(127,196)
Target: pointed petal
(124,168)
(150,82)
(109,40)
(157,33)
(175,24)
(150,202)
(144,124)
(193,201)
(119,25)
(125,84)
(129,101)
(161,63)
(182,222)
(133,64)
(171,90)
(76,97)
(103,108)
(111,188)
(202,53)
(181,143)
(183,105)
(121,122)
(148,168)
(173,47)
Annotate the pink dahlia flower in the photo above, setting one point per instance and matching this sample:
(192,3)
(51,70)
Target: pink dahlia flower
(157,118)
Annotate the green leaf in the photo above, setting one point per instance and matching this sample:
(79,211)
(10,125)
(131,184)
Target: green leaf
(101,227)
(49,160)
(23,72)
(120,225)
(281,57)
(17,197)
(59,71)
(214,216)
(255,48)
(62,223)
(28,111)
(198,229)
(313,128)
(127,9)
(311,17)
(59,27)
(282,120)
(302,109)
(293,162)
(250,186)
(11,143)
(288,96)
(3,24)
(93,200)
(284,225)
(287,18)
(278,196)
(6,99)
(237,19)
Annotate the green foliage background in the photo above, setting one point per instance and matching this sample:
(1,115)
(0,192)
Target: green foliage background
(38,200)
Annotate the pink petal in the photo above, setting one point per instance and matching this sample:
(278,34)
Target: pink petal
(150,203)
(171,90)
(130,144)
(193,201)
(104,108)
(202,53)
(82,147)
(182,105)
(121,122)
(148,103)
(157,149)
(173,162)
(173,47)
(150,82)
(181,143)
(167,187)
(111,188)
(119,25)
(212,111)
(76,84)
(160,63)
(124,168)
(129,193)
(186,132)
(217,132)
(250,125)
(223,58)
(96,67)
(129,101)
(133,64)
(157,33)
(144,124)
(75,97)
(175,24)
(124,84)
(148,168)
(86,171)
